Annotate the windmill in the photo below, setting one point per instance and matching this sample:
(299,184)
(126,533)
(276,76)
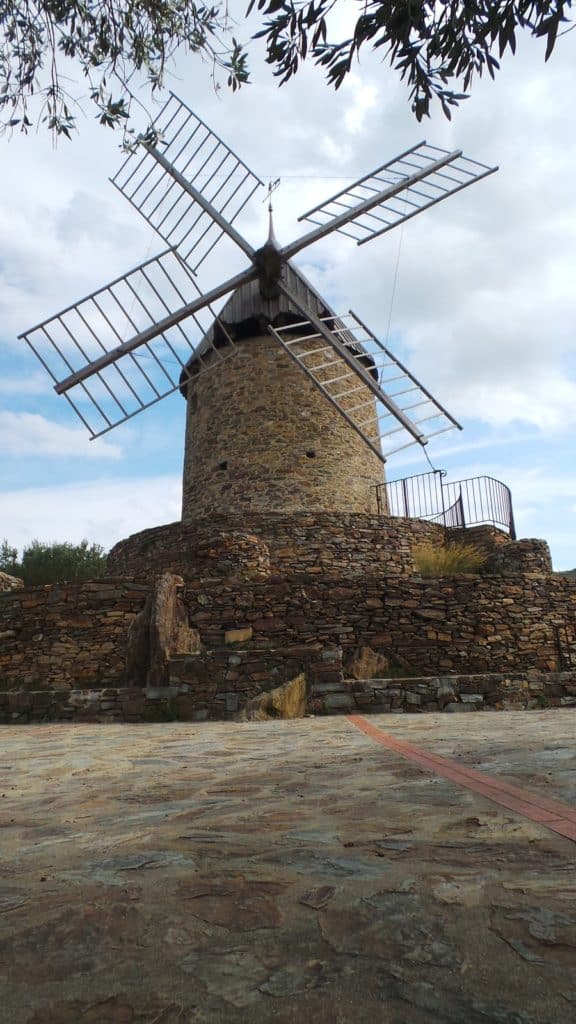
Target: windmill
(128,345)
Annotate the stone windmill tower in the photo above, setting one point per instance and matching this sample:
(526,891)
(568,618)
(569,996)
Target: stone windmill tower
(290,406)
(260,435)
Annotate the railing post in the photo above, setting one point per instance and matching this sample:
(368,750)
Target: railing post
(441,473)
(405,497)
(460,507)
(511,524)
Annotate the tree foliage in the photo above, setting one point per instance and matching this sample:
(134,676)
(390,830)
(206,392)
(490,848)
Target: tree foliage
(431,43)
(8,558)
(435,45)
(44,42)
(53,563)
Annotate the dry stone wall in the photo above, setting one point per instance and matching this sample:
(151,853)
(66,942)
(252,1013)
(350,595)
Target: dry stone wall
(258,546)
(220,682)
(487,692)
(124,704)
(67,635)
(525,556)
(310,582)
(465,624)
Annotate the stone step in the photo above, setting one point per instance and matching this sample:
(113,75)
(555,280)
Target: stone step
(321,687)
(453,694)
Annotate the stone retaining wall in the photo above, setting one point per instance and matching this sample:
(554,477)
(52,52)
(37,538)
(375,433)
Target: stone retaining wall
(221,682)
(467,624)
(66,635)
(487,692)
(520,556)
(75,635)
(346,544)
(128,704)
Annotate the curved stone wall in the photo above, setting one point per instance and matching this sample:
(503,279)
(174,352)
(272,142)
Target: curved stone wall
(255,546)
(261,437)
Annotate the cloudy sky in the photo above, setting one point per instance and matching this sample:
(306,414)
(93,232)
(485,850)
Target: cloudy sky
(483,311)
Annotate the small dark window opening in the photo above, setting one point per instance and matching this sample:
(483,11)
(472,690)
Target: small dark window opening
(223,465)
(310,454)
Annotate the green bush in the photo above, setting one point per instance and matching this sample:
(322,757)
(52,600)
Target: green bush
(53,563)
(451,560)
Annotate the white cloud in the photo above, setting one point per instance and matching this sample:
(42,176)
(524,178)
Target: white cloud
(25,433)
(364,98)
(27,384)
(104,511)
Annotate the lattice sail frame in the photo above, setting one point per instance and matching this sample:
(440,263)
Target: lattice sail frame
(143,377)
(375,393)
(85,333)
(438,173)
(118,346)
(197,154)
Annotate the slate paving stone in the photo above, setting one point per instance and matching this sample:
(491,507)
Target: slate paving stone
(280,872)
(390,926)
(239,905)
(318,897)
(447,1008)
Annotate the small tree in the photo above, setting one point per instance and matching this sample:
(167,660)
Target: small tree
(9,559)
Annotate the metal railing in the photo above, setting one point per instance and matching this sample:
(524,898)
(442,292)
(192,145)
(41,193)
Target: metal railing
(477,501)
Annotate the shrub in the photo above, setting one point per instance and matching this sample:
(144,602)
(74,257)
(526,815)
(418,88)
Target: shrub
(53,563)
(450,560)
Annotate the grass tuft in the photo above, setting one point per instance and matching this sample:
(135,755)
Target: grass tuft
(451,560)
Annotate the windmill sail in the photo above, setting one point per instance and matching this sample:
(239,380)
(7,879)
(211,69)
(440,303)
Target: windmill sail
(93,329)
(187,147)
(394,192)
(374,392)
(125,346)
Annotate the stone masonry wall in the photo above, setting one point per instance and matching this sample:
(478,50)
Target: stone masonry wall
(222,681)
(261,437)
(257,546)
(490,692)
(485,692)
(75,635)
(463,624)
(67,635)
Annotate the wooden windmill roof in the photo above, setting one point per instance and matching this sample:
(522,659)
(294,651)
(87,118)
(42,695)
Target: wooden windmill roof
(247,302)
(247,314)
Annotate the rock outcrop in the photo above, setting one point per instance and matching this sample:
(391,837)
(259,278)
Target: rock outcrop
(8,582)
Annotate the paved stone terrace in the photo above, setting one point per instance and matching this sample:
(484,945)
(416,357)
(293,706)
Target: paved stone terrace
(284,871)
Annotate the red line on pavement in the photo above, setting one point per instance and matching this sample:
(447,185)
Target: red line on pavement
(552,814)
